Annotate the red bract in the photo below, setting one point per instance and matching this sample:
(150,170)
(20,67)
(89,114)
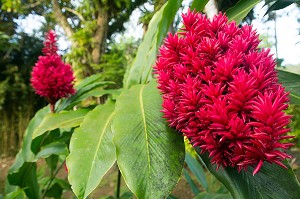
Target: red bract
(51,77)
(221,91)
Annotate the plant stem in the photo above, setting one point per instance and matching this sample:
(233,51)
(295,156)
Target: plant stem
(52,108)
(118,184)
(51,179)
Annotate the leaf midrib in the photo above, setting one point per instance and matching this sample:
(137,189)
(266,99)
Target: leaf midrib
(145,128)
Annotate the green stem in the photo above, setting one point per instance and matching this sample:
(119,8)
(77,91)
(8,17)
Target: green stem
(118,184)
(51,180)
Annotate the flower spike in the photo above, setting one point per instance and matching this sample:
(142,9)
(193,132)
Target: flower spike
(222,92)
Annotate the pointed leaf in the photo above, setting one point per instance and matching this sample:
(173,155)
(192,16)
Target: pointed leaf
(280,4)
(197,169)
(150,155)
(240,10)
(60,120)
(96,92)
(25,151)
(291,82)
(192,184)
(92,152)
(141,69)
(26,178)
(85,86)
(54,148)
(271,182)
(18,194)
(198,5)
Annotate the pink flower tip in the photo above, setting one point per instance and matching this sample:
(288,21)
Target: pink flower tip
(222,92)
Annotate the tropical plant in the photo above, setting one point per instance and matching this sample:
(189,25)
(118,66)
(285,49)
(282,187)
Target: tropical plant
(129,129)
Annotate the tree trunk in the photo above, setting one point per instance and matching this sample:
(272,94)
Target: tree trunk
(100,35)
(61,19)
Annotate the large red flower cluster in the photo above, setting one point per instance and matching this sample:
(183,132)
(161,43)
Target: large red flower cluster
(221,91)
(51,77)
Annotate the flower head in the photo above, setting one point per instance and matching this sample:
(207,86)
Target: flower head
(51,77)
(222,92)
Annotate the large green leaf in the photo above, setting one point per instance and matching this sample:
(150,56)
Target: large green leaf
(240,10)
(150,155)
(141,69)
(65,119)
(92,151)
(25,151)
(271,182)
(291,82)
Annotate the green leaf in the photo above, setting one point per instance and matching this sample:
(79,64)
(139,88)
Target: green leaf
(192,184)
(141,69)
(86,86)
(197,169)
(291,82)
(271,182)
(240,10)
(198,5)
(54,148)
(150,155)
(280,4)
(26,178)
(60,120)
(25,151)
(92,152)
(18,194)
(96,92)
(206,195)
(57,188)
(21,168)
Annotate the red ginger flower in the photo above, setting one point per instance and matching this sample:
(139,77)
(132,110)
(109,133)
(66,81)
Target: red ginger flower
(222,92)
(51,77)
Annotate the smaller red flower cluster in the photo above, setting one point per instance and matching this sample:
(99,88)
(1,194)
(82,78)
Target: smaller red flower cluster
(222,92)
(51,77)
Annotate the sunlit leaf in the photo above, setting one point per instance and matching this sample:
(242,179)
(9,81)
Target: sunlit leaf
(141,69)
(240,10)
(92,151)
(60,120)
(150,155)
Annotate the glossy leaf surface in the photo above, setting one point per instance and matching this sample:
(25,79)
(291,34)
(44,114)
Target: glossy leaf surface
(65,119)
(150,155)
(92,152)
(240,10)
